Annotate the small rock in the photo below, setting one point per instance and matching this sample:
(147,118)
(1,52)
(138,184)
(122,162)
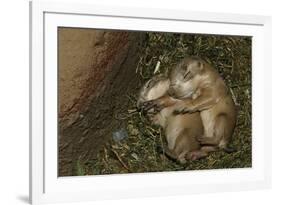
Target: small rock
(119,135)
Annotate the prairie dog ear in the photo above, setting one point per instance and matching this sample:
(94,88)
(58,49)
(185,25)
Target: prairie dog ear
(200,65)
(196,66)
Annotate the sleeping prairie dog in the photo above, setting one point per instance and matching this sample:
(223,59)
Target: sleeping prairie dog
(213,101)
(181,131)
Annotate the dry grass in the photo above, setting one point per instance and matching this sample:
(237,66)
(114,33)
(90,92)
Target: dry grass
(140,152)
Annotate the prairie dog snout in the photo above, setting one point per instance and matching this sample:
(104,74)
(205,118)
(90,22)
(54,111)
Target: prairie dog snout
(181,131)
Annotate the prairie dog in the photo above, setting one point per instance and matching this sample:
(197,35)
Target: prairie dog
(181,131)
(213,101)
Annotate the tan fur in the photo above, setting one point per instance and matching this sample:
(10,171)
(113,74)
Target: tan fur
(181,131)
(195,86)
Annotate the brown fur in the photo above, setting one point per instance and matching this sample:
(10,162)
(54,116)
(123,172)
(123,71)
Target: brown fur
(195,86)
(181,131)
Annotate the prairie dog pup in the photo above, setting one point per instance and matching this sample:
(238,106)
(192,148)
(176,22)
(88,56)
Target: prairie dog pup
(181,131)
(215,104)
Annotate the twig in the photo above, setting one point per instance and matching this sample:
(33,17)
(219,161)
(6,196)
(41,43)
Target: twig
(138,64)
(105,154)
(154,146)
(161,141)
(123,116)
(151,135)
(157,67)
(233,97)
(153,130)
(162,145)
(120,160)
(241,85)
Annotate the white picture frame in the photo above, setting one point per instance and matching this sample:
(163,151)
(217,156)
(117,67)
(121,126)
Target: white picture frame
(46,186)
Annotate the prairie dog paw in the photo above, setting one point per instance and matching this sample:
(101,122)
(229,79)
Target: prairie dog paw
(154,105)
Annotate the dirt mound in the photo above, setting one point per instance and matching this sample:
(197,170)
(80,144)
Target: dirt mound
(96,69)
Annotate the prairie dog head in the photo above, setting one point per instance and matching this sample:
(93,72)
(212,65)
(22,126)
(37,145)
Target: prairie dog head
(184,77)
(154,88)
